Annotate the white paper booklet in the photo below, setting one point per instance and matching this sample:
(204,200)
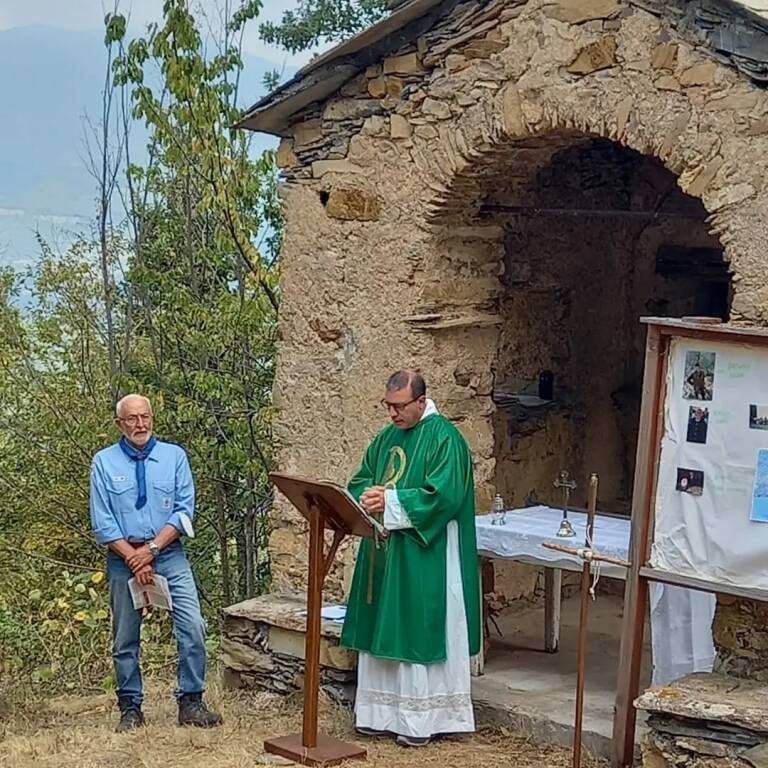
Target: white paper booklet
(157,594)
(374,523)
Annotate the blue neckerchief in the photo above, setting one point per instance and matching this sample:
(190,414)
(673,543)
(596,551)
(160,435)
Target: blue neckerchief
(139,456)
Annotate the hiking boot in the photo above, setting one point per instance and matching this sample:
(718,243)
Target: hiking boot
(131,716)
(413,741)
(192,711)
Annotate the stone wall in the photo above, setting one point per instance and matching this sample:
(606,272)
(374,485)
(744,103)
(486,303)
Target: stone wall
(741,638)
(705,721)
(388,260)
(262,647)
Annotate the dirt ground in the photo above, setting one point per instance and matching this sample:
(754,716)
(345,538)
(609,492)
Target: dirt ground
(78,732)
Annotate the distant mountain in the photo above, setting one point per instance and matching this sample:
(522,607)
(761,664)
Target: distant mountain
(49,79)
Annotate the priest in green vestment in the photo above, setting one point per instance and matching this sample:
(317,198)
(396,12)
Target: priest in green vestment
(414,609)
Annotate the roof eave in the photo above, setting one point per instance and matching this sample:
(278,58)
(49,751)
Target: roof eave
(325,74)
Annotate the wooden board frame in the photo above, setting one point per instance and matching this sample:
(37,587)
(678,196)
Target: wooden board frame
(661,332)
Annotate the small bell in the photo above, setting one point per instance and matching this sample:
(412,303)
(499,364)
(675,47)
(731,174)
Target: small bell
(566,529)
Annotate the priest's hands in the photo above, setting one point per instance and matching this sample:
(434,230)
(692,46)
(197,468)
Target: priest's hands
(372,500)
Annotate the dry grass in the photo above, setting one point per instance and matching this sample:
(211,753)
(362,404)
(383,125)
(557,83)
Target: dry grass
(78,732)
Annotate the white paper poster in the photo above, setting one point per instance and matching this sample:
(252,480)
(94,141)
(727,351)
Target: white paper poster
(711,514)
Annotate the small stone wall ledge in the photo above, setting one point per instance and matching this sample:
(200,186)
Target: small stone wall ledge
(262,647)
(706,721)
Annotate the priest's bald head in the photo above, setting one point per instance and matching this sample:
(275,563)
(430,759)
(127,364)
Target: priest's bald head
(405,398)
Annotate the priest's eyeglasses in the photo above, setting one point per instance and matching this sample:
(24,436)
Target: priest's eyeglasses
(397,407)
(134,419)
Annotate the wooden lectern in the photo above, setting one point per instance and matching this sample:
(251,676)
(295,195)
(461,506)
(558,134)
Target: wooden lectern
(325,506)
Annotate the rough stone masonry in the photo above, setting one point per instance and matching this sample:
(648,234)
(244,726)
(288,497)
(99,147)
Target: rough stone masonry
(389,258)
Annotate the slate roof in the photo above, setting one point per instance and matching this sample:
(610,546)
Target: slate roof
(735,32)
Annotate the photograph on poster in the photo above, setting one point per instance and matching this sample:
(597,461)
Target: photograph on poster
(690,481)
(758,416)
(760,491)
(698,420)
(699,378)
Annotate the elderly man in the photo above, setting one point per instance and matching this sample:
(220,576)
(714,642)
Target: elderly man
(142,502)
(413,611)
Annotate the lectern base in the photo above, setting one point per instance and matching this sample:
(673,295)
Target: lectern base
(329,751)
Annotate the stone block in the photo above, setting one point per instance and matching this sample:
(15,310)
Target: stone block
(408,64)
(307,133)
(455,62)
(445,87)
(377,87)
(356,87)
(757,127)
(668,83)
(705,177)
(400,128)
(580,11)
(435,108)
(652,756)
(428,132)
(286,157)
(376,125)
(596,56)
(733,102)
(352,205)
(699,74)
(382,87)
(394,87)
(483,49)
(321,167)
(290,642)
(664,56)
(350,109)
(512,111)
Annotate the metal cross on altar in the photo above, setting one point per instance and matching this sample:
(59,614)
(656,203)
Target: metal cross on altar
(566,484)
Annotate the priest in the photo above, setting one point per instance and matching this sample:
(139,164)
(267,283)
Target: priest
(414,610)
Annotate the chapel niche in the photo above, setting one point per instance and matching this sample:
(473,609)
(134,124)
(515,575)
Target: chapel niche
(596,237)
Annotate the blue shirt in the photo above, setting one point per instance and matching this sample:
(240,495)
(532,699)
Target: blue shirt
(170,494)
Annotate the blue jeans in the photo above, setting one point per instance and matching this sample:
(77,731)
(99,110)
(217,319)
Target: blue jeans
(188,625)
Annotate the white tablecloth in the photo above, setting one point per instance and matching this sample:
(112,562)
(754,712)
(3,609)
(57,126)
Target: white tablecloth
(681,619)
(525,531)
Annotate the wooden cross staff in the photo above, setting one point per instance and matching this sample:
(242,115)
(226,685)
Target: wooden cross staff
(588,555)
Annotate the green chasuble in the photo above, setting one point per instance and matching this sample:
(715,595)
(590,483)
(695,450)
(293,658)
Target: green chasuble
(397,610)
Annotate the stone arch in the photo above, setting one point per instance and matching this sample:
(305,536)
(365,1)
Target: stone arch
(458,167)
(478,136)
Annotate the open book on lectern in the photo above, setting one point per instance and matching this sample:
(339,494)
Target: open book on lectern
(341,510)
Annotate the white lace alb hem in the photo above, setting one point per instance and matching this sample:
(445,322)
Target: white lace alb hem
(447,701)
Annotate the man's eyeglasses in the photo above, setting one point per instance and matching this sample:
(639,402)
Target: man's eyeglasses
(398,407)
(133,420)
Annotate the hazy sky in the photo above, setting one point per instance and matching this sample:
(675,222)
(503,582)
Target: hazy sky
(89,14)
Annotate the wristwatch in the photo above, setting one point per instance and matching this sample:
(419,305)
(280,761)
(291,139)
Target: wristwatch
(153,548)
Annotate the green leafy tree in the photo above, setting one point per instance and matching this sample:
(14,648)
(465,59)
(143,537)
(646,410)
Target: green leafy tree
(175,294)
(319,21)
(204,285)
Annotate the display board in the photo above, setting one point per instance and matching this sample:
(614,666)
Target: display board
(700,493)
(711,500)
